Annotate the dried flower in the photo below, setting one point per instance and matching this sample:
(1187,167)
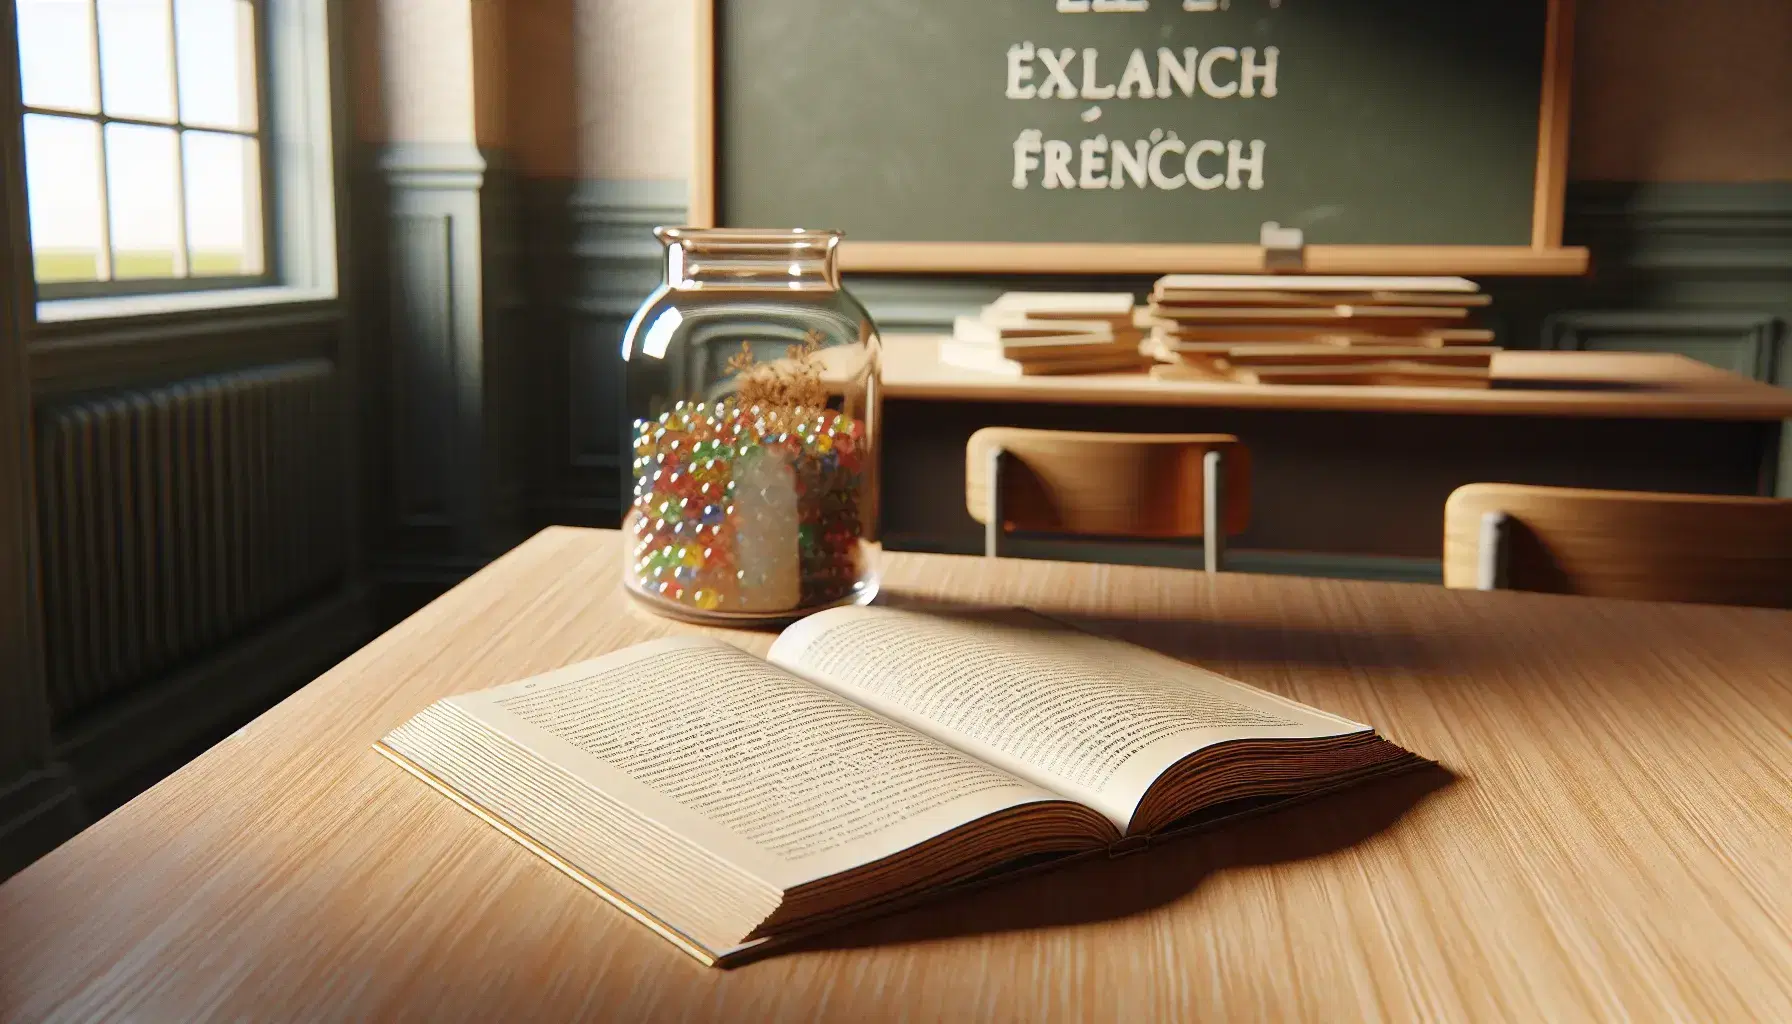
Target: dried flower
(794,382)
(741,361)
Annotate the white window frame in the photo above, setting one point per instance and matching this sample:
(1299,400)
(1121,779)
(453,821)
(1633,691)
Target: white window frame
(298,152)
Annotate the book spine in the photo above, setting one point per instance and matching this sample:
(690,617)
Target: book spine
(1129,846)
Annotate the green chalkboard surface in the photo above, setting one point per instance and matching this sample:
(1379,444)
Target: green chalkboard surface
(1363,123)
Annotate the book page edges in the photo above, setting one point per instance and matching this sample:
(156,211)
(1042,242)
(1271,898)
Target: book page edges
(708,957)
(772,944)
(747,951)
(879,909)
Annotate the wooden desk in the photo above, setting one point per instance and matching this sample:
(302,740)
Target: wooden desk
(1571,384)
(1612,845)
(1352,472)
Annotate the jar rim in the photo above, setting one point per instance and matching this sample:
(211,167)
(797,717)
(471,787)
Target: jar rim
(792,238)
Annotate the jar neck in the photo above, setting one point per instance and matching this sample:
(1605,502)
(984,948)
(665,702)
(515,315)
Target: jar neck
(731,259)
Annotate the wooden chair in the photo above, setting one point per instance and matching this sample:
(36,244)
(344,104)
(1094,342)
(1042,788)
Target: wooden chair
(1695,548)
(1156,486)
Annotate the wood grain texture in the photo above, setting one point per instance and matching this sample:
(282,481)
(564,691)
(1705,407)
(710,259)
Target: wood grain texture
(1106,484)
(1612,846)
(1627,544)
(1576,384)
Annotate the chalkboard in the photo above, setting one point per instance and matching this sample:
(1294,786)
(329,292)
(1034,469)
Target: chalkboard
(1142,135)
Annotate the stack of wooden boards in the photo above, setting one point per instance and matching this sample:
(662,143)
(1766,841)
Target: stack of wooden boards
(1318,330)
(1025,334)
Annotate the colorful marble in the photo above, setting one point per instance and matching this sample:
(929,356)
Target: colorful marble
(750,510)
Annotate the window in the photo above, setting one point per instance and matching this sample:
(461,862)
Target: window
(145,156)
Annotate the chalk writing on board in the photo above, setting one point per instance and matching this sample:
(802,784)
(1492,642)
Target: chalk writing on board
(1163,160)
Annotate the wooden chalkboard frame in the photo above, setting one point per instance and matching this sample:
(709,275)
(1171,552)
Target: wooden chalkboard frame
(1545,256)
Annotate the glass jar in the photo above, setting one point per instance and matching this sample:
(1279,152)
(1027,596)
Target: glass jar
(751,388)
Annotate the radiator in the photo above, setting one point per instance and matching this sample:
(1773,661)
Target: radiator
(175,518)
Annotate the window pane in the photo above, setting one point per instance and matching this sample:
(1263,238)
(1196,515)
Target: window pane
(223,204)
(135,47)
(62,175)
(56,54)
(142,184)
(217,62)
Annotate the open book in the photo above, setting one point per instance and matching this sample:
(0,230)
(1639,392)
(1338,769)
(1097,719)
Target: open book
(876,757)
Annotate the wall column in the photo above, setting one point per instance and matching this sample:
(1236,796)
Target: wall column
(450,486)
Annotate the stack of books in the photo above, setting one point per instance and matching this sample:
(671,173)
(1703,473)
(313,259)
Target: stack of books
(1319,330)
(1025,334)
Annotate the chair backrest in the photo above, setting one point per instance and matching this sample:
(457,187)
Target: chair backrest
(1703,549)
(1106,485)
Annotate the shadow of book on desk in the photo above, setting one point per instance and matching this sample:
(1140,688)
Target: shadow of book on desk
(877,758)
(1081,890)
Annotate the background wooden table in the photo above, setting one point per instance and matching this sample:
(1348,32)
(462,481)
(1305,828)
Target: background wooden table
(1598,385)
(1346,480)
(1612,844)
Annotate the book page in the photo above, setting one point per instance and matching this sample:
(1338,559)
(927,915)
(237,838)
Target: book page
(1094,719)
(778,776)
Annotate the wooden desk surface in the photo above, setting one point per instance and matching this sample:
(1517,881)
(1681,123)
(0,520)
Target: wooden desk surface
(1613,845)
(1614,385)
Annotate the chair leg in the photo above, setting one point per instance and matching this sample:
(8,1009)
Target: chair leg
(993,533)
(1213,500)
(1491,555)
